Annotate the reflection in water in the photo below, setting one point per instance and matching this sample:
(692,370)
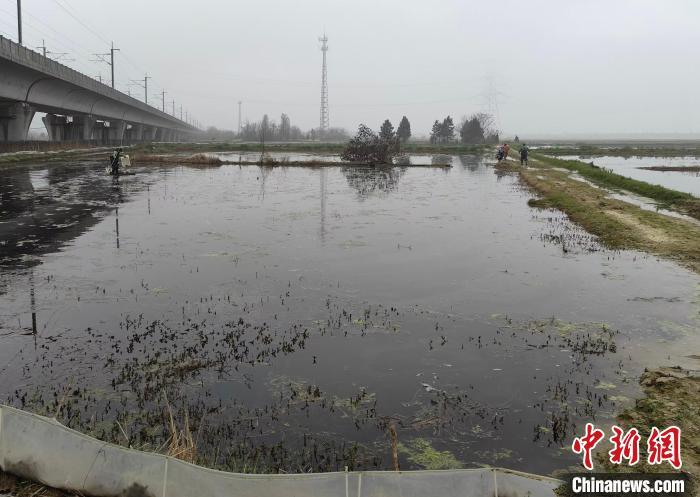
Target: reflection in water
(369,180)
(471,162)
(32,300)
(116,224)
(440,159)
(323,177)
(66,203)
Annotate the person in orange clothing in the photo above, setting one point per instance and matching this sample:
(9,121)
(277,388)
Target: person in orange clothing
(506,149)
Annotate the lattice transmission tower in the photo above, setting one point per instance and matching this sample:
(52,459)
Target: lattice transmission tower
(324,124)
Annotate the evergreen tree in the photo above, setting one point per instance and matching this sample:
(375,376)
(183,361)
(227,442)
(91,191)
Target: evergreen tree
(404,130)
(285,127)
(471,131)
(436,132)
(448,130)
(386,132)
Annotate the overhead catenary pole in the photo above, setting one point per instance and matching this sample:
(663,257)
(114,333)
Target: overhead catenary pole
(53,55)
(173,107)
(239,117)
(19,21)
(100,57)
(163,95)
(111,55)
(143,85)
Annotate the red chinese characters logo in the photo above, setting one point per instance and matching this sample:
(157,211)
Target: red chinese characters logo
(625,446)
(662,446)
(665,446)
(587,443)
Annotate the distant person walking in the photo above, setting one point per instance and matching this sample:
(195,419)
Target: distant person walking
(523,154)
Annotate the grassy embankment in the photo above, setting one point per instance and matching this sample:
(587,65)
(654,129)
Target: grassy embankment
(586,150)
(8,159)
(618,224)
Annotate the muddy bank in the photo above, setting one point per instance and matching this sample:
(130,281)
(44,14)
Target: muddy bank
(672,397)
(618,224)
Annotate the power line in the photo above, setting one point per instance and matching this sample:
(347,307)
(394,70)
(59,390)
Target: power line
(65,9)
(57,56)
(45,35)
(64,41)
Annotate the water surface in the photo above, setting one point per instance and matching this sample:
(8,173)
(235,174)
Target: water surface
(683,181)
(297,313)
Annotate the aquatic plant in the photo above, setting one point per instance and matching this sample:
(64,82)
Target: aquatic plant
(419,451)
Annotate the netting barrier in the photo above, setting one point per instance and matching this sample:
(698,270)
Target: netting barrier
(43,450)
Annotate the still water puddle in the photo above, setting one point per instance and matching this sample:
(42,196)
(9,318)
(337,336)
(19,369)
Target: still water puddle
(297,313)
(688,182)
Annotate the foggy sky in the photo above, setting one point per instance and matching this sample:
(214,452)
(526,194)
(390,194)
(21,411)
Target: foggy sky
(564,67)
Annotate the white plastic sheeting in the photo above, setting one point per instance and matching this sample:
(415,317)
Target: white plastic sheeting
(43,450)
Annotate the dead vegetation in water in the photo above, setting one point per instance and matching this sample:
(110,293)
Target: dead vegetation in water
(181,444)
(197,159)
(19,487)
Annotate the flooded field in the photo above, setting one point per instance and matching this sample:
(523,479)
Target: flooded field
(297,317)
(684,181)
(285,157)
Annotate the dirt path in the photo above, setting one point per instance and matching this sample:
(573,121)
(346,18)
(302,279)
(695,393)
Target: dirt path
(618,224)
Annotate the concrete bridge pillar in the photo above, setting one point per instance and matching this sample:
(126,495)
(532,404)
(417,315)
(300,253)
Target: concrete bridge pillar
(149,133)
(82,127)
(79,127)
(15,120)
(55,127)
(116,131)
(137,132)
